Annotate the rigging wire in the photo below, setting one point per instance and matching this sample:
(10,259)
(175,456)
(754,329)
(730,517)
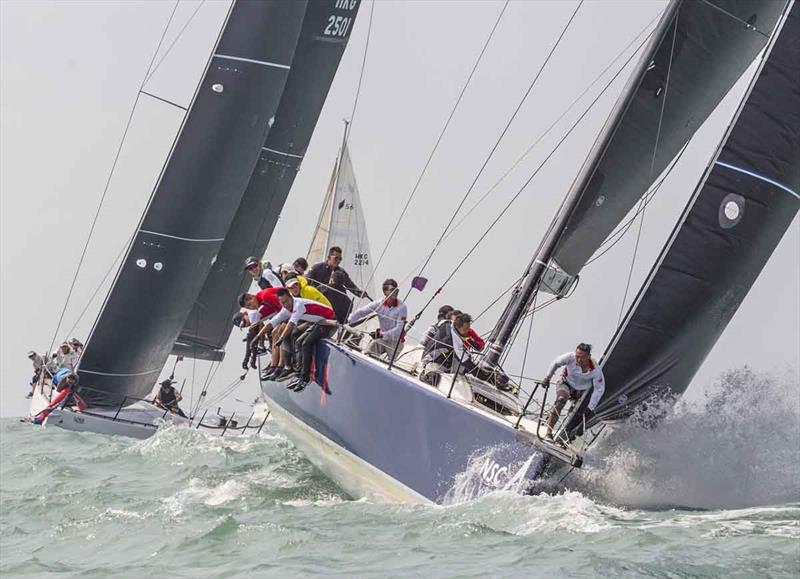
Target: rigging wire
(174,41)
(438,141)
(531,147)
(363,66)
(622,230)
(552,125)
(652,168)
(499,139)
(99,286)
(110,176)
(528,181)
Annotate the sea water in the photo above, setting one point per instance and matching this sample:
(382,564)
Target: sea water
(712,491)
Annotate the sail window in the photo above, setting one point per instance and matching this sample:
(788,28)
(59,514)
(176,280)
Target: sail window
(141,263)
(730,210)
(158,266)
(217,88)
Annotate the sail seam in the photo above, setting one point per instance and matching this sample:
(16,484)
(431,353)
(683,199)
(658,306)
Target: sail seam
(261,62)
(181,238)
(113,374)
(757,176)
(281,153)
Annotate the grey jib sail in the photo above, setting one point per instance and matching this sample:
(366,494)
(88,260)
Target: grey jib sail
(700,54)
(194,201)
(326,29)
(727,233)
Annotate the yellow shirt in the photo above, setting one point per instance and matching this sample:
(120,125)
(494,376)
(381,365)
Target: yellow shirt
(309,292)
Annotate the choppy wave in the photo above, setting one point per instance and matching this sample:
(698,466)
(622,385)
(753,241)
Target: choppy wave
(186,504)
(738,446)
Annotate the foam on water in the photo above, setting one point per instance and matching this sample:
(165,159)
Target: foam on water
(738,446)
(188,504)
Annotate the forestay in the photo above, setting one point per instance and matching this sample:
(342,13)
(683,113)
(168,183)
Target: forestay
(698,57)
(727,233)
(342,224)
(326,29)
(194,201)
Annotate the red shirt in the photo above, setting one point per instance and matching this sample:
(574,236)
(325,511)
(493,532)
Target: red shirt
(474,341)
(268,302)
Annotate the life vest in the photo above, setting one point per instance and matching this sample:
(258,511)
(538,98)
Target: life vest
(439,349)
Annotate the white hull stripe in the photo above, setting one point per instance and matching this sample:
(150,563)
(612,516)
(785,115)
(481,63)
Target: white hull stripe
(110,374)
(281,153)
(261,62)
(181,238)
(760,177)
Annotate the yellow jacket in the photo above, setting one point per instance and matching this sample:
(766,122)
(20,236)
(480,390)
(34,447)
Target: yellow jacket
(309,292)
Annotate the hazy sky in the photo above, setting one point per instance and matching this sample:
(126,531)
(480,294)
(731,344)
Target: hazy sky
(70,73)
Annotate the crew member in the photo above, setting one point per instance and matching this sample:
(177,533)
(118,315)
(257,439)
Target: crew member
(38,366)
(296,311)
(320,274)
(63,357)
(449,349)
(299,287)
(580,372)
(168,398)
(262,273)
(65,381)
(261,306)
(392,314)
(300,265)
(441,317)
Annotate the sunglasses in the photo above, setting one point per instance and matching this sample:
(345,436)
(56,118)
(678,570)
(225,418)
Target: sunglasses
(389,288)
(254,266)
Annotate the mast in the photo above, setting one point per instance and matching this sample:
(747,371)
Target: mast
(740,210)
(525,293)
(697,52)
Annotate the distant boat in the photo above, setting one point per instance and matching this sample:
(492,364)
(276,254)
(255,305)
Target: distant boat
(216,201)
(377,430)
(341,223)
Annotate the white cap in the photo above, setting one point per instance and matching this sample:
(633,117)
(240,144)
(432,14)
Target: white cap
(292,282)
(287,268)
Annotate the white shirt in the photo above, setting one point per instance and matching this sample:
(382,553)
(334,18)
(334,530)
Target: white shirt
(573,376)
(303,311)
(392,318)
(272,279)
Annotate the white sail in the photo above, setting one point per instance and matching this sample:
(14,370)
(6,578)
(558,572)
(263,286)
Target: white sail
(342,224)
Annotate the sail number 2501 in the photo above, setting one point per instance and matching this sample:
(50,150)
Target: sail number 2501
(338,25)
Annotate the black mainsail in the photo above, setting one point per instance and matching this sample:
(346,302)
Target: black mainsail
(325,32)
(727,232)
(697,53)
(194,202)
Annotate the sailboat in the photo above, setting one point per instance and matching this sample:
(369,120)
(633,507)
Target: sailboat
(377,430)
(217,200)
(341,223)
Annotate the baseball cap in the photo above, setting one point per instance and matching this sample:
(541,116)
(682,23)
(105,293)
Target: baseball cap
(292,281)
(250,262)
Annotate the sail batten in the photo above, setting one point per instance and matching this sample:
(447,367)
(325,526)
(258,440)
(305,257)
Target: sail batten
(698,60)
(207,328)
(193,203)
(730,227)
